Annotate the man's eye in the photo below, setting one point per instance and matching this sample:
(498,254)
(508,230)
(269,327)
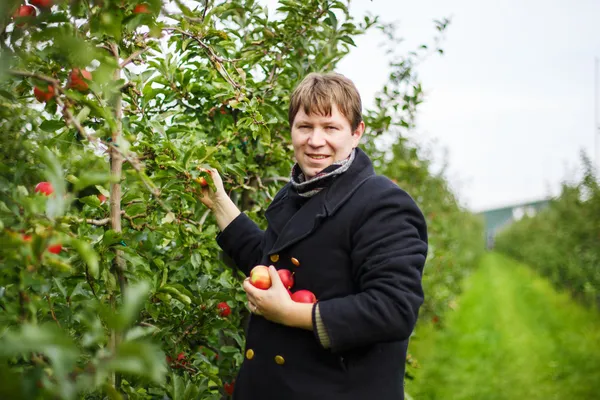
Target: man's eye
(332,127)
(304,126)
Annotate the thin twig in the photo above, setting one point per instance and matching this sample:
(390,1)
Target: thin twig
(276,179)
(52,311)
(87,278)
(133,56)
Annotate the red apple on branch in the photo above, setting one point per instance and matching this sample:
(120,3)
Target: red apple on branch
(42,3)
(24,11)
(224,309)
(42,95)
(141,9)
(229,388)
(44,188)
(260,278)
(77,79)
(304,296)
(55,248)
(287,277)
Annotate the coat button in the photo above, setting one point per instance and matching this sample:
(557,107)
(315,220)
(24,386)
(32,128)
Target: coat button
(274,257)
(250,354)
(279,360)
(295,262)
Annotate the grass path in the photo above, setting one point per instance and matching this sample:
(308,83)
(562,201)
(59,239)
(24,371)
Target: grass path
(512,337)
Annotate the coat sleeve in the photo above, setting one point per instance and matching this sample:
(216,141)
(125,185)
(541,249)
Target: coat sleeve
(388,255)
(242,241)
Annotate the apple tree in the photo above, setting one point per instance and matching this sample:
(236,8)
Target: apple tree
(111,282)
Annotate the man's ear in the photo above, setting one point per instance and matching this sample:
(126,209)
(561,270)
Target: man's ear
(360,129)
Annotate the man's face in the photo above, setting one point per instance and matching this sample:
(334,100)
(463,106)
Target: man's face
(320,140)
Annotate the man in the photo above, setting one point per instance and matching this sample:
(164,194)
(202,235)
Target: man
(353,238)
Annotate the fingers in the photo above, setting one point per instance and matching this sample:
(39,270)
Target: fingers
(275,278)
(253,308)
(252,293)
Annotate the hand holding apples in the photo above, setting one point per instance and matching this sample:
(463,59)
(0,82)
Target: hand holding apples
(273,302)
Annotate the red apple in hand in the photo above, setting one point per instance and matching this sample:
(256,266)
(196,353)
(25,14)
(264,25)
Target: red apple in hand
(259,277)
(304,296)
(43,95)
(44,188)
(287,278)
(202,181)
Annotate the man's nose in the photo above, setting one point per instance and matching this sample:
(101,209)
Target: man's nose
(317,138)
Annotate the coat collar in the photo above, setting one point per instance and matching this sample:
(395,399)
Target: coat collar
(293,225)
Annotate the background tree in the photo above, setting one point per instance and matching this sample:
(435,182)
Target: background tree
(111,282)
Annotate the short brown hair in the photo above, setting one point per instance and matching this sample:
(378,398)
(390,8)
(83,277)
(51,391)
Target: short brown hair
(318,91)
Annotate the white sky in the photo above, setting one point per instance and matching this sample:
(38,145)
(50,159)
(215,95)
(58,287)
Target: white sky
(512,99)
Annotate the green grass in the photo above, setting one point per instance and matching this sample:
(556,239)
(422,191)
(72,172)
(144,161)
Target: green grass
(512,336)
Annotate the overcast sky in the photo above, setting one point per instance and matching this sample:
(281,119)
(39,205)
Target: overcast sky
(512,99)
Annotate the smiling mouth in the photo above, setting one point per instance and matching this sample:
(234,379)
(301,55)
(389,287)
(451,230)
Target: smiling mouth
(317,157)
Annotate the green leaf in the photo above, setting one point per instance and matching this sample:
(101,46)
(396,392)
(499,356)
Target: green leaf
(111,237)
(52,125)
(134,298)
(91,179)
(87,254)
(348,40)
(46,339)
(138,332)
(332,20)
(141,359)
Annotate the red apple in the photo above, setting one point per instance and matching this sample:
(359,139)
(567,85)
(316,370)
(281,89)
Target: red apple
(102,198)
(304,296)
(202,181)
(41,3)
(44,188)
(259,277)
(287,277)
(229,388)
(24,11)
(141,9)
(224,309)
(77,79)
(55,248)
(43,96)
(26,238)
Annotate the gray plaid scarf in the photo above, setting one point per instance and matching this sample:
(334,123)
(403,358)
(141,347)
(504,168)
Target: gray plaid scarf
(310,187)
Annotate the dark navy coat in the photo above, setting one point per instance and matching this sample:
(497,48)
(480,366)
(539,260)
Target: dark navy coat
(360,246)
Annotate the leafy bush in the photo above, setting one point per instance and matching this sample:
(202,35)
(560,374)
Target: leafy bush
(562,241)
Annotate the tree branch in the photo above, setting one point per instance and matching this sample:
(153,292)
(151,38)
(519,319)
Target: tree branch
(276,179)
(70,119)
(133,56)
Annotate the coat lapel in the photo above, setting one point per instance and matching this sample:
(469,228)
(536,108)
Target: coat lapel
(291,225)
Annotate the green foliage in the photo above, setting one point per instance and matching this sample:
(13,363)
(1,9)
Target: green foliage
(513,336)
(563,241)
(128,305)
